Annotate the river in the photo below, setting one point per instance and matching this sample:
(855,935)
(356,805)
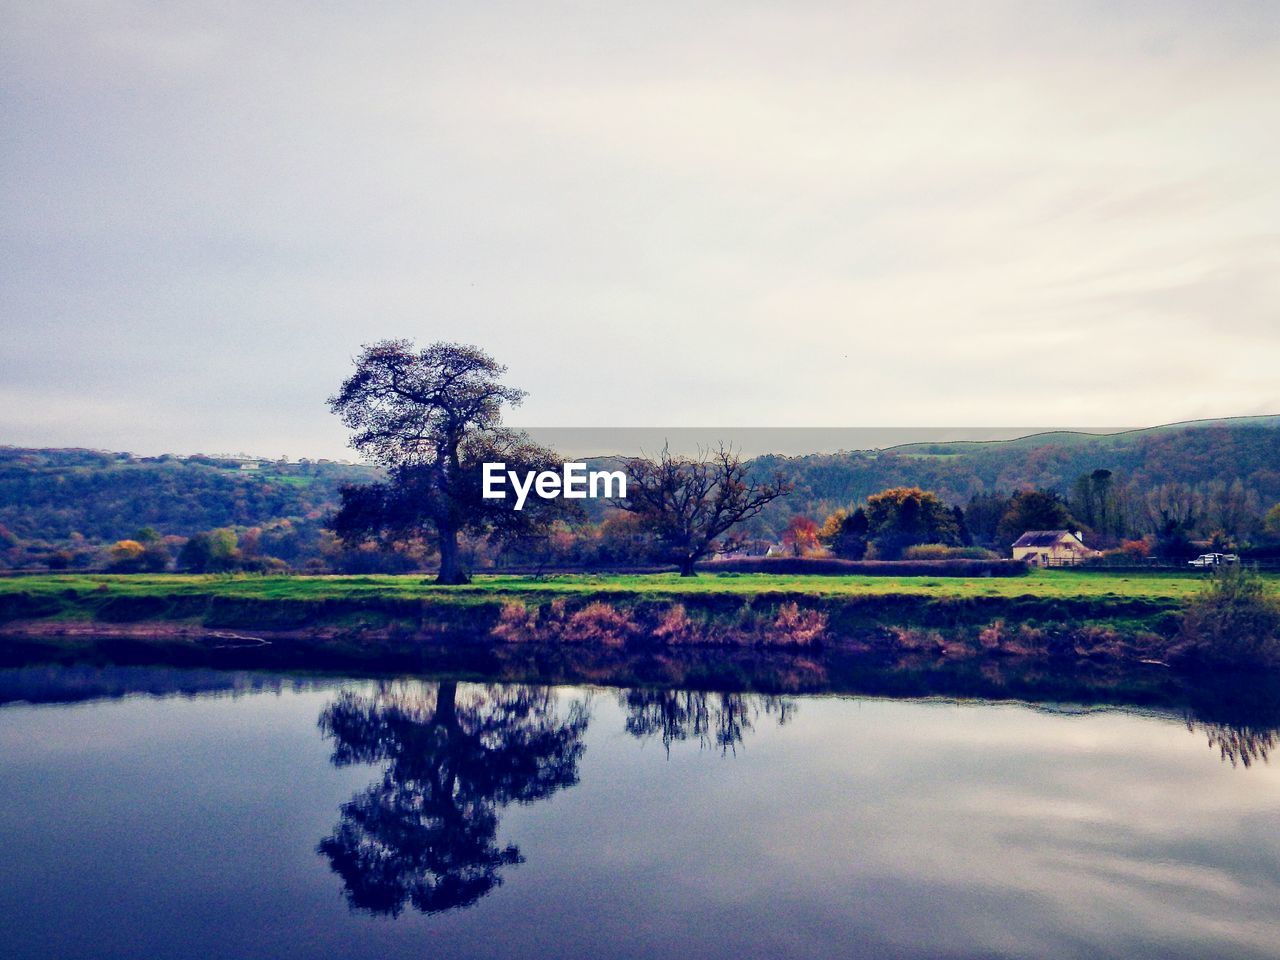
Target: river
(168,813)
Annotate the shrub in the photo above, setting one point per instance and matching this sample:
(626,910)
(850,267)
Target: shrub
(886,568)
(1024,640)
(125,556)
(1135,549)
(1234,621)
(942,551)
(914,639)
(676,626)
(600,622)
(796,627)
(516,623)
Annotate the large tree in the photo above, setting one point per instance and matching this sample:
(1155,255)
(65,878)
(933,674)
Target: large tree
(845,533)
(801,536)
(983,516)
(1033,510)
(1271,522)
(687,503)
(902,517)
(431,417)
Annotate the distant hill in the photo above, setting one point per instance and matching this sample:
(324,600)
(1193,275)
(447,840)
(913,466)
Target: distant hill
(53,495)
(1196,454)
(56,497)
(1193,453)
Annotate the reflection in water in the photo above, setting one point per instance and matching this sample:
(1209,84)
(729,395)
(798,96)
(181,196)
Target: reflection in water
(75,683)
(1240,745)
(713,719)
(971,829)
(426,832)
(1240,718)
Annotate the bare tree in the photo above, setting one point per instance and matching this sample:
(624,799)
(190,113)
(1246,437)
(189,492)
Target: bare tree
(688,503)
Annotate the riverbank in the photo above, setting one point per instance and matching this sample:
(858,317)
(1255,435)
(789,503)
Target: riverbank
(1066,583)
(386,622)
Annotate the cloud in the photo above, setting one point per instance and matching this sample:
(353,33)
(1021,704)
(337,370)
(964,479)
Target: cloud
(814,214)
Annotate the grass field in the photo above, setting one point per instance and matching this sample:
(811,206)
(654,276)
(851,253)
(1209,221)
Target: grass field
(1050,584)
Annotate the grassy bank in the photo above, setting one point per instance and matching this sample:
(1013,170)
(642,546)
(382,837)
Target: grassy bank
(1053,584)
(404,622)
(851,604)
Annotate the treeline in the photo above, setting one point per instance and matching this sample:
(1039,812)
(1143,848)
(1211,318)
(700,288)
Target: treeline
(1123,522)
(1115,512)
(1193,455)
(68,508)
(1163,492)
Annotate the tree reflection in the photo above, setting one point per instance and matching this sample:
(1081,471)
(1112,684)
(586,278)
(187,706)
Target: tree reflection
(1239,744)
(426,832)
(719,720)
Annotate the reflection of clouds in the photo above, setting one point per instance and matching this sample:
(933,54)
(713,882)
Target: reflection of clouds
(1160,878)
(863,827)
(1011,831)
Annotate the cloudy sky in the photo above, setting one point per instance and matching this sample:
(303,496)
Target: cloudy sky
(768,214)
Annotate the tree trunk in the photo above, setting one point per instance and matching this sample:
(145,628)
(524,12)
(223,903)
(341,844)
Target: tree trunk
(451,571)
(444,777)
(447,704)
(686,566)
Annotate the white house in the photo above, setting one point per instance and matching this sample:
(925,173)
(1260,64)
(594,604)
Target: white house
(1043,548)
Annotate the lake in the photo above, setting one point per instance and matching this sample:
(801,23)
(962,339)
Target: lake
(166,813)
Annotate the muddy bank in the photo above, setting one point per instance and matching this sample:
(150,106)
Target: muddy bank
(790,641)
(635,632)
(710,616)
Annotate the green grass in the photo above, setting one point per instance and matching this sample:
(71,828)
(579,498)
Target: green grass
(1045,584)
(375,619)
(286,479)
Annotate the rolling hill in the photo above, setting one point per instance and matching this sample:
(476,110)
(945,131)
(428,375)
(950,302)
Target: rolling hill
(52,497)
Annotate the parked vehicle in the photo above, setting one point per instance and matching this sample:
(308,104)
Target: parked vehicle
(1213,559)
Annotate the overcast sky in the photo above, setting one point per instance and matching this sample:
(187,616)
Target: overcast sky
(809,214)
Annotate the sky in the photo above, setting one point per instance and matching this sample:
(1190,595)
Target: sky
(811,214)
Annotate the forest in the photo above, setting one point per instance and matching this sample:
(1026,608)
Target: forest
(1163,491)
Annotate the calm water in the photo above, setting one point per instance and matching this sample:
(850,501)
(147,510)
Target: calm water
(272,818)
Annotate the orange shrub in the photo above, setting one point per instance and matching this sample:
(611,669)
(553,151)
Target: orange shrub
(796,627)
(516,623)
(600,622)
(676,626)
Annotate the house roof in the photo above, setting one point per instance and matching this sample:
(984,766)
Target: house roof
(1042,538)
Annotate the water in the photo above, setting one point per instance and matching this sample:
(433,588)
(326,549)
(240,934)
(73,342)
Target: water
(235,816)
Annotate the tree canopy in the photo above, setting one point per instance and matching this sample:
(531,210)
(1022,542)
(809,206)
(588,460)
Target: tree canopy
(905,516)
(1034,510)
(431,417)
